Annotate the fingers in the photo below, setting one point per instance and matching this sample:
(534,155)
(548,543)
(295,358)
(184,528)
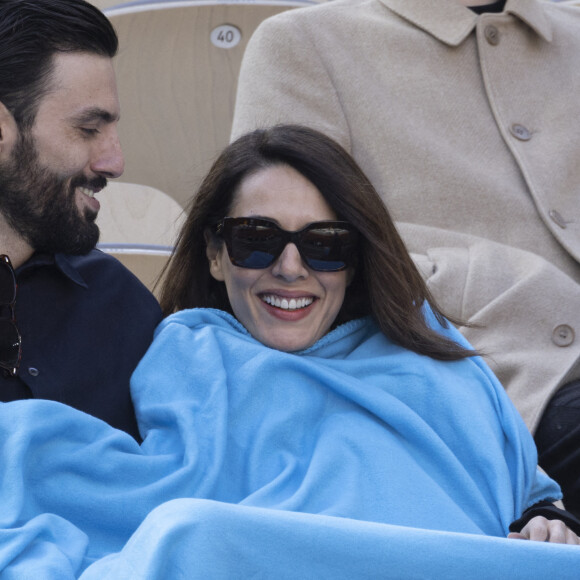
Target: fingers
(539,529)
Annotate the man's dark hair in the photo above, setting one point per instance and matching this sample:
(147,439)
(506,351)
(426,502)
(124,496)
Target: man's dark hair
(31,33)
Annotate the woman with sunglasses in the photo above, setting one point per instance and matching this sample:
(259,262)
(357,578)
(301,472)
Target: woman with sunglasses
(344,260)
(306,410)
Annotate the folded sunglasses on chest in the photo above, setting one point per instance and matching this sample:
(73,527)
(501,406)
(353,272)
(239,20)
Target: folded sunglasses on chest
(10,340)
(325,246)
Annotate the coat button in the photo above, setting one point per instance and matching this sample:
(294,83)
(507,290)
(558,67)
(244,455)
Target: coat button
(520,132)
(557,218)
(563,335)
(491,34)
(33,372)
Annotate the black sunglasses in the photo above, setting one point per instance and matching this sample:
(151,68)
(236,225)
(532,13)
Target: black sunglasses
(10,340)
(327,246)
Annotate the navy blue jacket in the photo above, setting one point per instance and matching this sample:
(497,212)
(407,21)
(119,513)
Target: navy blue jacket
(85,323)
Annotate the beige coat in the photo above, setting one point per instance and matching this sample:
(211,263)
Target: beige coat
(469,127)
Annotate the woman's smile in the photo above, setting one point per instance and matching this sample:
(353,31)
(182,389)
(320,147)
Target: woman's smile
(287,303)
(287,307)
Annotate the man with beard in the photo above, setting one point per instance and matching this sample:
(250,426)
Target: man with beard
(74,322)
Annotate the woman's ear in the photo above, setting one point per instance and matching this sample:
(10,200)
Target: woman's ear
(350,275)
(214,253)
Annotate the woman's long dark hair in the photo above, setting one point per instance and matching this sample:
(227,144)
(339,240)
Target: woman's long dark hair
(386,283)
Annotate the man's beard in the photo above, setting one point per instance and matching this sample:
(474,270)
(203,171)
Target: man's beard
(40,206)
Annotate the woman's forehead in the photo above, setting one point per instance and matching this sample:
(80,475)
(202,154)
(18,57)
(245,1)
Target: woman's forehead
(283,194)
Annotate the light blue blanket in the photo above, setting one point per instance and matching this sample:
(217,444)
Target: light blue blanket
(352,459)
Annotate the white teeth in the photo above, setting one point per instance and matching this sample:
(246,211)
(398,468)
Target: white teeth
(87,191)
(284,304)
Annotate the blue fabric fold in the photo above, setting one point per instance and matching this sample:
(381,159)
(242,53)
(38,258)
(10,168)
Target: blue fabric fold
(353,446)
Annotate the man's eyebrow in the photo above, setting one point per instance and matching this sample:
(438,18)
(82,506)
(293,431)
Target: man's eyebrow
(95,114)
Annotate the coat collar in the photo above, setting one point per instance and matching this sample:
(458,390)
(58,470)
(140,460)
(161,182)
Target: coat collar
(452,23)
(61,261)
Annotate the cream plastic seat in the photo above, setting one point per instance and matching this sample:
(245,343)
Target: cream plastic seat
(139,226)
(146,262)
(104,4)
(177,72)
(137,214)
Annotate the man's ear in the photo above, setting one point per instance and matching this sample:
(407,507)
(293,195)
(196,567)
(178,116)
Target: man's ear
(214,254)
(8,130)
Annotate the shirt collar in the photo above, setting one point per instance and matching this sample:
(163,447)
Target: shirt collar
(61,261)
(65,265)
(452,23)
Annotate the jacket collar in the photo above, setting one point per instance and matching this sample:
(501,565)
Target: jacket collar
(61,261)
(452,23)
(66,266)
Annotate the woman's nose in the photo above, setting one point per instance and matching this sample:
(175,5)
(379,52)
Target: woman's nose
(289,264)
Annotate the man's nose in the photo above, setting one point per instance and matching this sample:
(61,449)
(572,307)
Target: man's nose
(109,161)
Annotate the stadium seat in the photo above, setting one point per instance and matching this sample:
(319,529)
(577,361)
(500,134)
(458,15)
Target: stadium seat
(139,226)
(136,214)
(177,71)
(145,261)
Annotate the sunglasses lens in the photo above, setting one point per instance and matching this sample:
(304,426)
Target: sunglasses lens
(328,249)
(253,246)
(9,345)
(7,284)
(256,243)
